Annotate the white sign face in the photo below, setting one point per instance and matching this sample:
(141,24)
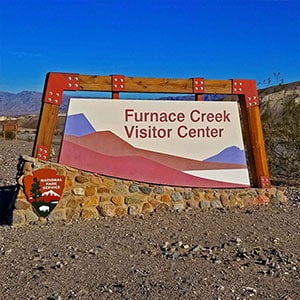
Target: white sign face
(181,143)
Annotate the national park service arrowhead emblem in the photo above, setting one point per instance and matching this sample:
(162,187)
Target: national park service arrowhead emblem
(43,190)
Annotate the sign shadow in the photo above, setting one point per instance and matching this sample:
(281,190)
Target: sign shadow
(7,201)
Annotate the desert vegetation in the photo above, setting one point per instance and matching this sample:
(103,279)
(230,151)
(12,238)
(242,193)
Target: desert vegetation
(280,113)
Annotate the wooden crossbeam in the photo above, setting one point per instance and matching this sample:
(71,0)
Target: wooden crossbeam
(153,85)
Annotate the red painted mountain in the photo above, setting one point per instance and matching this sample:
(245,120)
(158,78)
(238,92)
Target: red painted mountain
(107,143)
(105,153)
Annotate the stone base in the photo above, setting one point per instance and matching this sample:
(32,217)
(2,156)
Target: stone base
(89,196)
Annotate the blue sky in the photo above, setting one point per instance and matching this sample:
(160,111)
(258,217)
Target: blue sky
(247,39)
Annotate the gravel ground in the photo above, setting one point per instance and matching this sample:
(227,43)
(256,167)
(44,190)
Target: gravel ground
(218,254)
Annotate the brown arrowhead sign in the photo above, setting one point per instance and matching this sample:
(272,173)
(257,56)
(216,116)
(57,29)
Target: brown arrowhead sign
(43,190)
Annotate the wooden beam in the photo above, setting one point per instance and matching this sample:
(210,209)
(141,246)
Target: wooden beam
(218,87)
(46,127)
(153,85)
(158,85)
(95,83)
(256,152)
(246,128)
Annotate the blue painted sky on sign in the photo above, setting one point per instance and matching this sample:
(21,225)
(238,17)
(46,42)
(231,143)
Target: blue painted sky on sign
(158,38)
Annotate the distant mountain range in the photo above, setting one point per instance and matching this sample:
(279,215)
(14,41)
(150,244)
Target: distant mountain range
(29,102)
(24,103)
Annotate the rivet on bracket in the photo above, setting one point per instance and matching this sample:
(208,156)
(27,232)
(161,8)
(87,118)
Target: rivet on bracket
(246,88)
(118,83)
(43,152)
(57,83)
(264,181)
(198,85)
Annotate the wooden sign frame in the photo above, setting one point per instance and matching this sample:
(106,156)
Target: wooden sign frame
(57,83)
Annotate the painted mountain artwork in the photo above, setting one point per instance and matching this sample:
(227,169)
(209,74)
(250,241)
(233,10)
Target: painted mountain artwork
(112,138)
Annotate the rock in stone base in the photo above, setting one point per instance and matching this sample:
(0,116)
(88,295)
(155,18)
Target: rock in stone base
(22,204)
(18,217)
(179,206)
(262,200)
(121,210)
(133,210)
(147,208)
(165,199)
(163,207)
(31,217)
(57,215)
(118,200)
(91,202)
(89,213)
(107,209)
(205,204)
(278,198)
(192,203)
(73,213)
(216,204)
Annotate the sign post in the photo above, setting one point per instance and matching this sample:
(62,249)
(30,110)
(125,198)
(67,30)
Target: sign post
(10,129)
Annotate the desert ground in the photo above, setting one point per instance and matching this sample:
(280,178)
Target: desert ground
(251,253)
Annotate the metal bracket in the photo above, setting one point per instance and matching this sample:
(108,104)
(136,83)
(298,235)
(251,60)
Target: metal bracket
(118,83)
(264,182)
(57,83)
(198,85)
(43,152)
(247,88)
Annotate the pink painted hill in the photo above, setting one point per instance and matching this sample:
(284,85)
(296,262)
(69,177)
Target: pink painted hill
(106,142)
(105,153)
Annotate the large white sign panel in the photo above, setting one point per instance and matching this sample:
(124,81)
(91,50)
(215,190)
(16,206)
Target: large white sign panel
(181,143)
